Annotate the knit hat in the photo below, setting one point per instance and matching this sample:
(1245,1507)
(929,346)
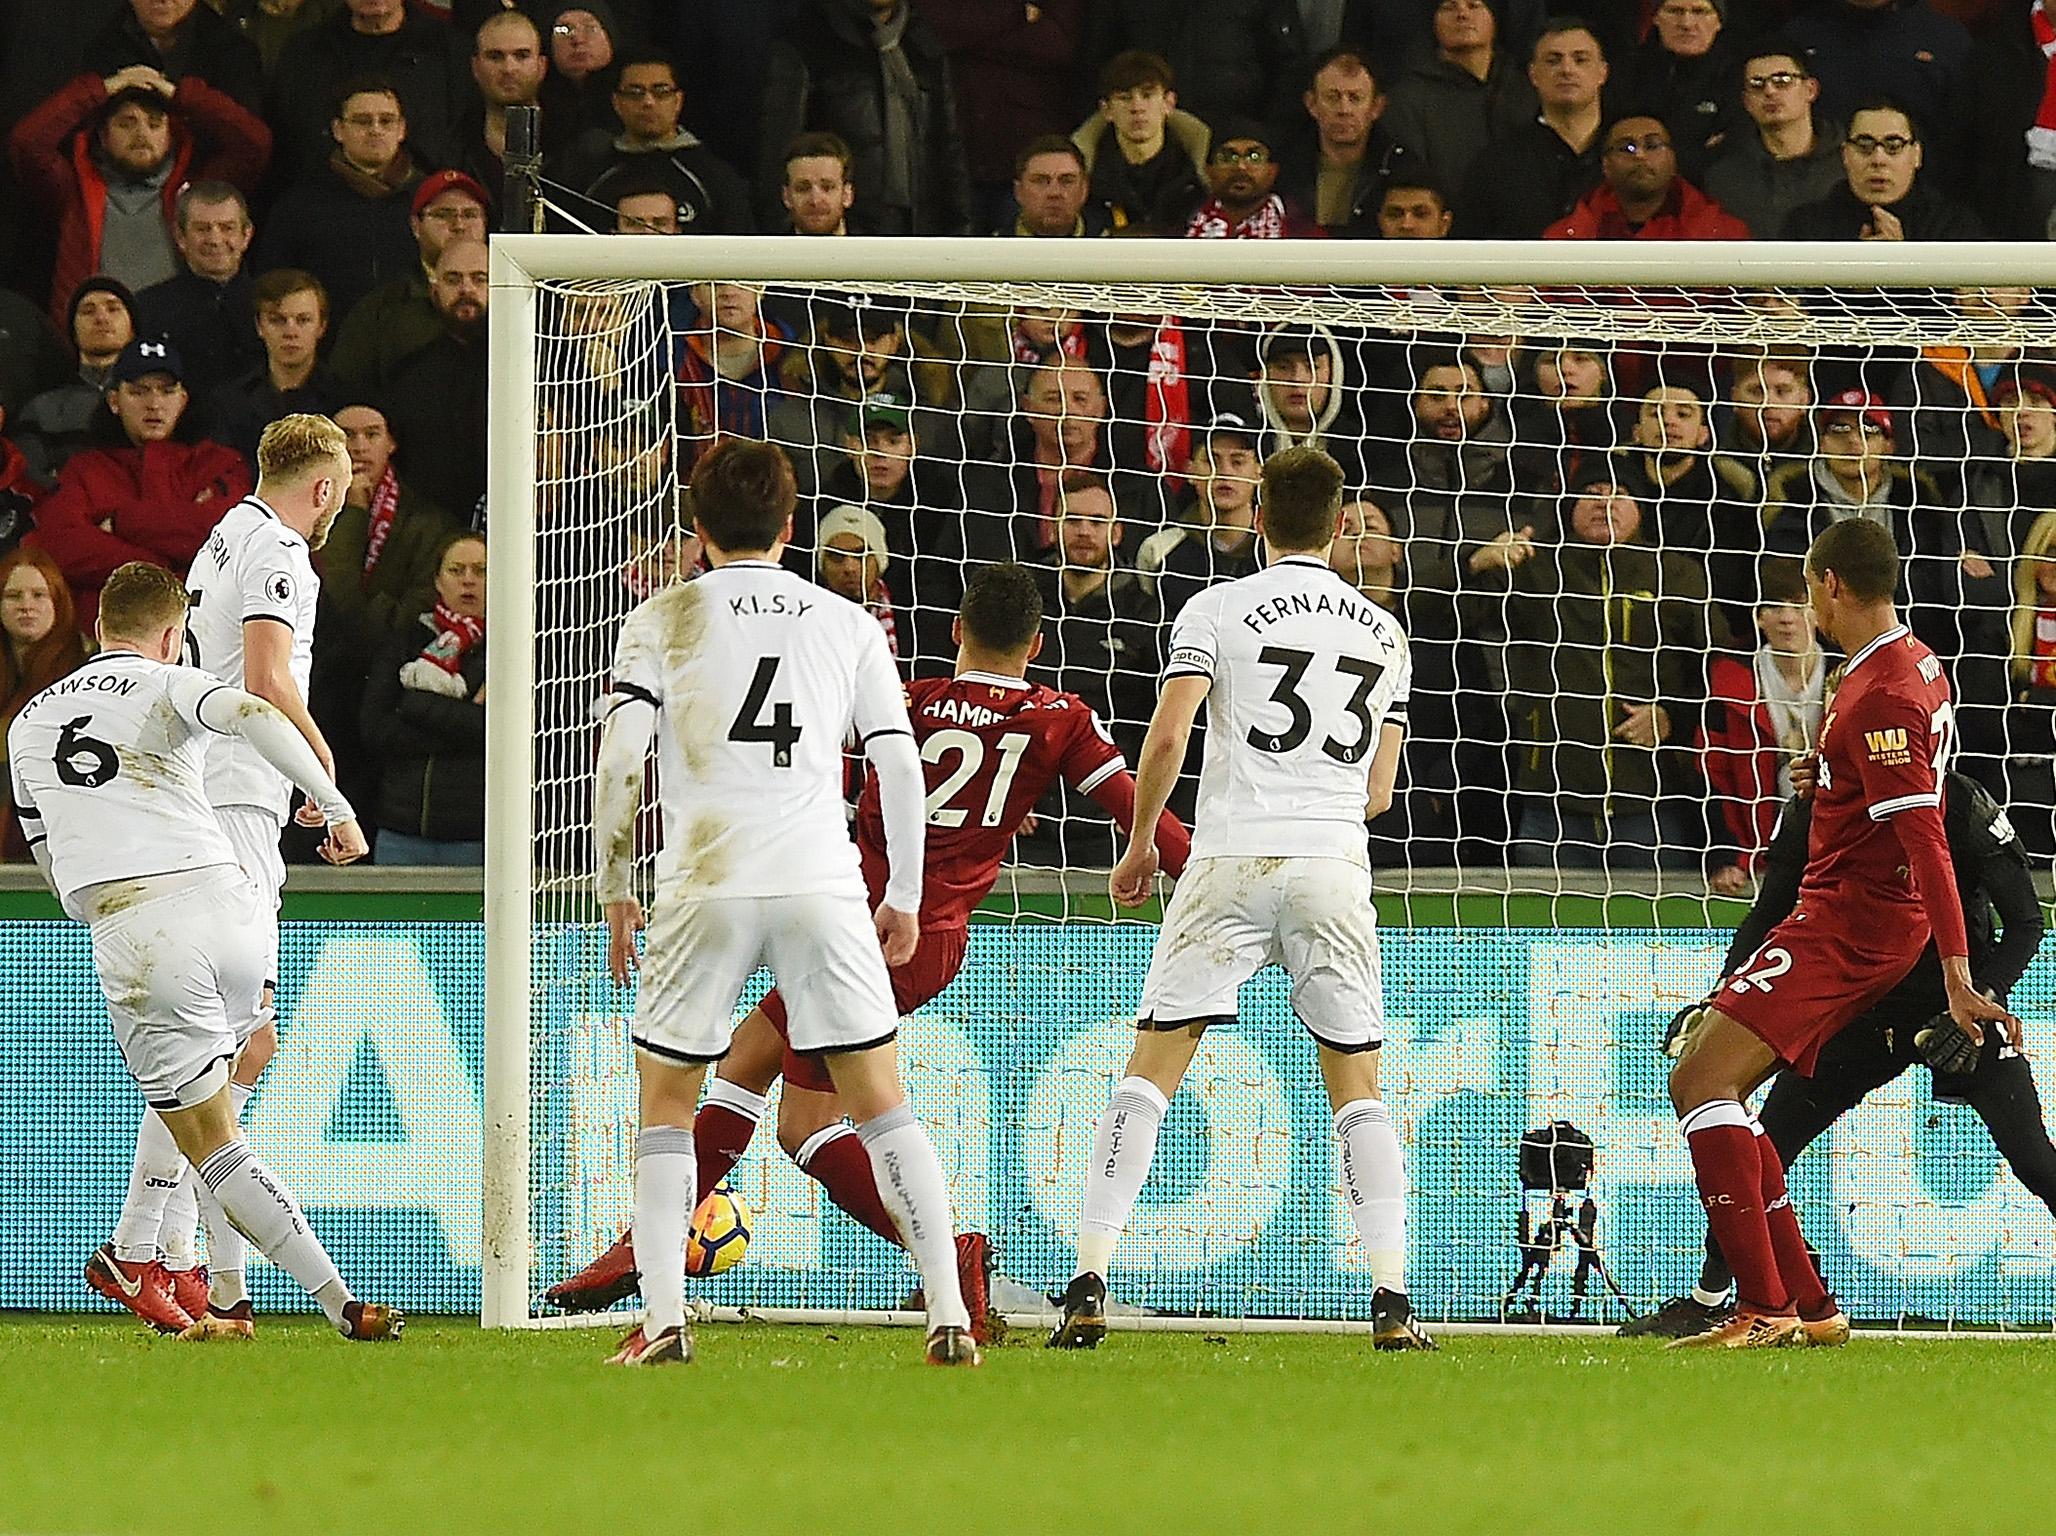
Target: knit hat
(847,520)
(97,285)
(599,10)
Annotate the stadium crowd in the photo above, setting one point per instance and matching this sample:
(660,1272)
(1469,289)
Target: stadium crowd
(216,213)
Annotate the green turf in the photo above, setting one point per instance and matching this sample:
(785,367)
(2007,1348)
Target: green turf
(840,1430)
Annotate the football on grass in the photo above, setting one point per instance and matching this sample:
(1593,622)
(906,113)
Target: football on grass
(720,1233)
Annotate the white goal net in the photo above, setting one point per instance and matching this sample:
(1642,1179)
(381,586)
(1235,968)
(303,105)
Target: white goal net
(1581,478)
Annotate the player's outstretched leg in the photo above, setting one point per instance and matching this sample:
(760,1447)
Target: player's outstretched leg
(129,1270)
(721,1130)
(1123,1147)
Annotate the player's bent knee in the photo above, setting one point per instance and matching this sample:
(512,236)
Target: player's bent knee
(802,1115)
(754,1055)
(866,1080)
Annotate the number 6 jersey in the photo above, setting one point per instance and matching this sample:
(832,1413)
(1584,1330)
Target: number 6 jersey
(107,770)
(1307,672)
(758,678)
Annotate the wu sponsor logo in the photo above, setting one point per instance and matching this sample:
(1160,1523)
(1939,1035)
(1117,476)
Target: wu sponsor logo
(1888,745)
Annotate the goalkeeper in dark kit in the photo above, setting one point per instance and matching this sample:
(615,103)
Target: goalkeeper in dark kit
(1910,1026)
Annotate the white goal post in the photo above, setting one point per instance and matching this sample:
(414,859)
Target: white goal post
(1428,287)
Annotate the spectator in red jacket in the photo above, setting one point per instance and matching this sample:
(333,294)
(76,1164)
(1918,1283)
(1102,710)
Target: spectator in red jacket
(1643,197)
(148,496)
(1763,713)
(106,158)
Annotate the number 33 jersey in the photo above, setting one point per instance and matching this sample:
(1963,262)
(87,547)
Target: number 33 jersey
(107,767)
(1307,672)
(758,678)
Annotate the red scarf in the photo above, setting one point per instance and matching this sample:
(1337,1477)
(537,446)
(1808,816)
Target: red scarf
(385,501)
(2042,668)
(2041,139)
(456,634)
(1070,343)
(880,606)
(1266,222)
(1167,408)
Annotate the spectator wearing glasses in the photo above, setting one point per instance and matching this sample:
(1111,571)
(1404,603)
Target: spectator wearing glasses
(384,38)
(1789,158)
(712,196)
(1052,194)
(1242,172)
(347,223)
(1536,172)
(397,320)
(1882,196)
(1643,197)
(582,39)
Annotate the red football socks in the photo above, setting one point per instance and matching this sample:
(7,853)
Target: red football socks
(1795,1265)
(720,1136)
(1731,1184)
(840,1164)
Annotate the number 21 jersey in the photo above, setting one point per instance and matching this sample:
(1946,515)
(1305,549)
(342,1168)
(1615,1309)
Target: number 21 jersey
(758,678)
(1307,672)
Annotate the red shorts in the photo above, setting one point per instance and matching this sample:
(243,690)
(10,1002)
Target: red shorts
(937,959)
(1809,978)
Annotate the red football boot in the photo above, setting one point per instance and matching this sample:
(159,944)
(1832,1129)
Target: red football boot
(610,1278)
(189,1289)
(974,1274)
(145,1289)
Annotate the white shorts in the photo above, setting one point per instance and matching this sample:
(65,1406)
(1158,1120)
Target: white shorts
(253,831)
(181,971)
(1230,917)
(823,951)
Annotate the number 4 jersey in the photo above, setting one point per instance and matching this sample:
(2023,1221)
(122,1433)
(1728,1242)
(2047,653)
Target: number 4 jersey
(1307,672)
(758,677)
(991,746)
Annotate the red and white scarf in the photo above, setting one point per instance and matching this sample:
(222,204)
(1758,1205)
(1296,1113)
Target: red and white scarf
(2042,666)
(1070,343)
(880,607)
(2041,139)
(385,502)
(456,634)
(1266,222)
(1167,406)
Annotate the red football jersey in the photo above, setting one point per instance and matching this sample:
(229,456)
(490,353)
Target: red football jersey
(990,747)
(1884,746)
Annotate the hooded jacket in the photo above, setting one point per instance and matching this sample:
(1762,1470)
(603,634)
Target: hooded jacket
(1162,192)
(212,139)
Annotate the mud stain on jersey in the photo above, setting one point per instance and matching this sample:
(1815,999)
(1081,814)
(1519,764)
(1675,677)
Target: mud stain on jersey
(114,896)
(146,770)
(682,623)
(702,861)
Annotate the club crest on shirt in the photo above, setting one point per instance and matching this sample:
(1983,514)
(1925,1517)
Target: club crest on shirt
(1888,746)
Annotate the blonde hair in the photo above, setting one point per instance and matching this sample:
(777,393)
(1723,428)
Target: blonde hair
(140,600)
(294,445)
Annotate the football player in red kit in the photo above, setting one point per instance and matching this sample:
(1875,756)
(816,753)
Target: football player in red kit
(992,744)
(1878,883)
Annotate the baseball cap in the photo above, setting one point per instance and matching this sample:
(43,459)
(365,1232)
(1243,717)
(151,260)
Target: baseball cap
(880,410)
(434,186)
(844,520)
(141,359)
(1872,408)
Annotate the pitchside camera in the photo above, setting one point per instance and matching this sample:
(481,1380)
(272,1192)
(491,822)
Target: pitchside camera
(1558,1156)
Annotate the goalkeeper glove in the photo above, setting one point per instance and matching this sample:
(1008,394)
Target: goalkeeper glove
(1946,1046)
(1678,1033)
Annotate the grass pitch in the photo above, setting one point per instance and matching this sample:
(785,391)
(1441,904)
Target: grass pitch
(826,1431)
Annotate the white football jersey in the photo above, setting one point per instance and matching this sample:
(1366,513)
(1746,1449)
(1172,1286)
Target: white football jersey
(758,678)
(251,567)
(1307,672)
(108,771)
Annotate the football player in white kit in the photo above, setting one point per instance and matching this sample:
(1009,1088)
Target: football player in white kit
(107,768)
(1305,685)
(254,593)
(751,679)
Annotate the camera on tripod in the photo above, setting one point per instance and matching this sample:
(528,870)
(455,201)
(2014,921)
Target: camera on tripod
(1556,1163)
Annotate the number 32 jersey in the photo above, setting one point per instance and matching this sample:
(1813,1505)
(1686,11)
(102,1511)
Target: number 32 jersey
(758,677)
(1307,672)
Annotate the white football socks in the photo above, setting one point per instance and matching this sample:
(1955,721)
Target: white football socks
(911,1184)
(1122,1149)
(665,1195)
(1374,1181)
(153,1175)
(256,1204)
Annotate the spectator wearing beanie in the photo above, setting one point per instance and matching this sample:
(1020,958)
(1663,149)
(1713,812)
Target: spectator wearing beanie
(58,422)
(1242,173)
(106,158)
(851,561)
